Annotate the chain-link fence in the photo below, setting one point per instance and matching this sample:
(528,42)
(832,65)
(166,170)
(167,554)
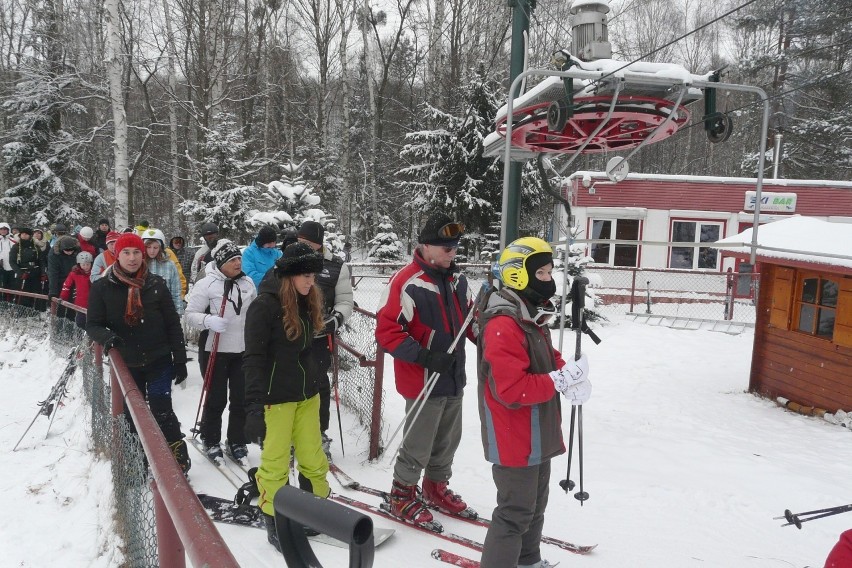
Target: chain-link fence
(690,294)
(112,437)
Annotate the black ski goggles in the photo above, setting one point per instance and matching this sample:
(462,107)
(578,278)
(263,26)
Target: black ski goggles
(451,230)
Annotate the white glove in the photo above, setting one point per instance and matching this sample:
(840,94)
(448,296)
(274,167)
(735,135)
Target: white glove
(561,381)
(216,324)
(576,370)
(579,393)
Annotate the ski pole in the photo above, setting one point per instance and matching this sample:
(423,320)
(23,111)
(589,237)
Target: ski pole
(794,519)
(788,514)
(69,369)
(423,395)
(580,495)
(332,345)
(566,484)
(211,362)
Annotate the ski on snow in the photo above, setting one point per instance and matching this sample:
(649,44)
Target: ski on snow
(346,481)
(246,515)
(225,467)
(454,559)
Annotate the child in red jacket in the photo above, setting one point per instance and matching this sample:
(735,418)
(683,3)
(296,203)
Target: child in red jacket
(78,281)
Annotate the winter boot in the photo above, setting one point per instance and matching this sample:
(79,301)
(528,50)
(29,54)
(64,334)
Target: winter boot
(540,564)
(181,455)
(213,451)
(405,505)
(438,495)
(271,535)
(238,451)
(326,443)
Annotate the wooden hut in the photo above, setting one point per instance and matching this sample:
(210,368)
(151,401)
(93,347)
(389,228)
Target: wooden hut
(803,331)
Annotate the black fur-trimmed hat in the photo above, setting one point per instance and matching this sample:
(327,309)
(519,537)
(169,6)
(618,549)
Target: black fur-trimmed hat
(298,258)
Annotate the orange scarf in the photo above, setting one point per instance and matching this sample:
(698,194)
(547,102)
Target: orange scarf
(133,312)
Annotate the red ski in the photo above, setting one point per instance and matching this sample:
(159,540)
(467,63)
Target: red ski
(454,559)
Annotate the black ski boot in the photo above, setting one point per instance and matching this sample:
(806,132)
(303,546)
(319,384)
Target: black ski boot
(271,535)
(181,455)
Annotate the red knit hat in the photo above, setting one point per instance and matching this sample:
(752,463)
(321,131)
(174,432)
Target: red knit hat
(129,240)
(112,236)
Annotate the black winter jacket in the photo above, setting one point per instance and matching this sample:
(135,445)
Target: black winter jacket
(156,336)
(59,264)
(25,255)
(276,369)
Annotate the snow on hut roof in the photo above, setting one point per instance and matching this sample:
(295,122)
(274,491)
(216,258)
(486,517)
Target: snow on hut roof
(803,239)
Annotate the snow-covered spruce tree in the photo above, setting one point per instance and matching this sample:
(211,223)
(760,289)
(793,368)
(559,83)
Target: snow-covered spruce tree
(288,201)
(447,170)
(385,246)
(223,192)
(44,178)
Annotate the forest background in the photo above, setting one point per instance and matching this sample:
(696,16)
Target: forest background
(371,112)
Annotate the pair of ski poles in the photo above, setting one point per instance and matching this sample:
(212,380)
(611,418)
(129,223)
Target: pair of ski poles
(429,386)
(208,370)
(578,324)
(797,520)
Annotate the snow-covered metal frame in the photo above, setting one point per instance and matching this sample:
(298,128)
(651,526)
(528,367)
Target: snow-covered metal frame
(684,81)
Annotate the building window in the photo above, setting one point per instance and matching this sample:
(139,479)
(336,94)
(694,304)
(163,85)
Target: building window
(693,258)
(611,253)
(815,305)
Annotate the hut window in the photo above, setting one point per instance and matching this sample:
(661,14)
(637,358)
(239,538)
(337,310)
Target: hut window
(615,254)
(695,258)
(816,305)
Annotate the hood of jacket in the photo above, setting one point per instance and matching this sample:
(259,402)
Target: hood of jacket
(507,301)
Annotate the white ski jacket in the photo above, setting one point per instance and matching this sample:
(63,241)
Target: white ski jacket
(205,299)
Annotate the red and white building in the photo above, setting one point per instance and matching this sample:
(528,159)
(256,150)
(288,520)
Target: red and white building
(661,209)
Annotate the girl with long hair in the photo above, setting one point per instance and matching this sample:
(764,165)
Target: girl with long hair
(282,379)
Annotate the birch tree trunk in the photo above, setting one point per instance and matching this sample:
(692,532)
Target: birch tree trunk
(366,26)
(173,107)
(119,116)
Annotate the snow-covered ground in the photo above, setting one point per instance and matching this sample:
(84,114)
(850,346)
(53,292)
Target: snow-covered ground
(683,467)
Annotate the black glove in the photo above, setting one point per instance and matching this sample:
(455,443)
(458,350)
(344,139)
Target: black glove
(180,372)
(112,342)
(255,427)
(333,322)
(436,361)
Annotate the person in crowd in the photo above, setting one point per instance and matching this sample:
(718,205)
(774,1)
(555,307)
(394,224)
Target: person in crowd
(41,242)
(177,245)
(219,302)
(336,287)
(131,310)
(28,263)
(99,240)
(210,235)
(7,273)
(77,284)
(288,237)
(61,259)
(347,251)
(85,237)
(159,264)
(170,254)
(142,227)
(421,311)
(59,231)
(261,254)
(282,381)
(106,258)
(520,377)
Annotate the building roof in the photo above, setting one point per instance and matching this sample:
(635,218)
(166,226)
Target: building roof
(798,239)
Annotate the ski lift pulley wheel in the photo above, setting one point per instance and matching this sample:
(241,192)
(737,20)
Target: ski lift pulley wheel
(632,121)
(718,127)
(557,116)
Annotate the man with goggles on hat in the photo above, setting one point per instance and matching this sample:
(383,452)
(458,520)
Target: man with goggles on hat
(422,310)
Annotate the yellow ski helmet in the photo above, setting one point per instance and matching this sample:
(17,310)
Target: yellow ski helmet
(512,265)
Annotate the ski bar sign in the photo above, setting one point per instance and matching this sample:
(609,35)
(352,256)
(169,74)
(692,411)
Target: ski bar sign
(779,202)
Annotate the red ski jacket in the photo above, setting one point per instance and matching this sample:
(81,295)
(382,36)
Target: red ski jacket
(78,281)
(841,555)
(424,307)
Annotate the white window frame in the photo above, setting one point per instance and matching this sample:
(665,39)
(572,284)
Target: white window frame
(613,231)
(697,240)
